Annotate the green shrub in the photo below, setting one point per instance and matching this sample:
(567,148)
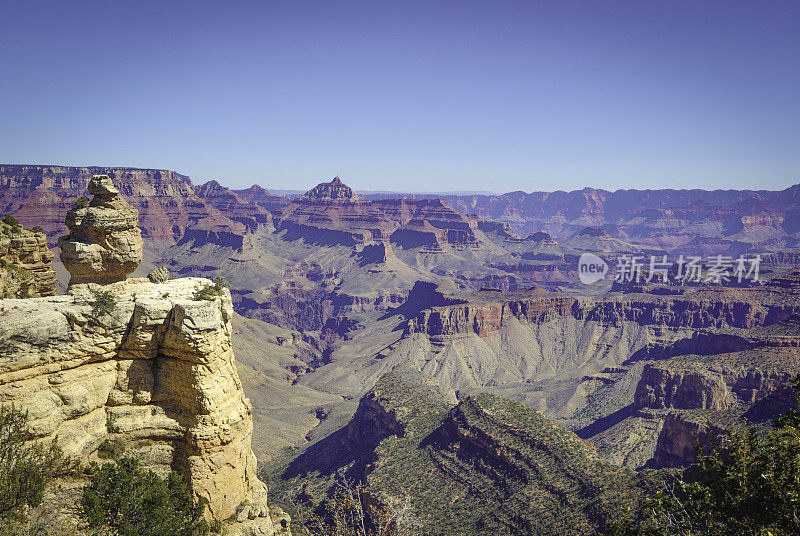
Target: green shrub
(25,469)
(103,303)
(110,449)
(210,292)
(81,202)
(111,424)
(37,229)
(10,220)
(130,501)
(746,485)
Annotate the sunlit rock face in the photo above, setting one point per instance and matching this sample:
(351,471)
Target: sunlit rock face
(155,373)
(26,264)
(104,244)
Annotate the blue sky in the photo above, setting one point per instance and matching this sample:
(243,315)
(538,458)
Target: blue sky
(422,96)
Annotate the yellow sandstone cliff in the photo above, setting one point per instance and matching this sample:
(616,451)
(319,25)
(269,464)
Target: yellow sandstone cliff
(153,373)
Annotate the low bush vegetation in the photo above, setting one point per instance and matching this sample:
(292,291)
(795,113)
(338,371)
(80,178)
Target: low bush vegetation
(747,484)
(210,292)
(112,449)
(128,501)
(352,511)
(103,303)
(25,468)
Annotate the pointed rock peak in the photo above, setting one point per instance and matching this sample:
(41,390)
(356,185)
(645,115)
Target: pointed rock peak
(335,189)
(258,189)
(211,188)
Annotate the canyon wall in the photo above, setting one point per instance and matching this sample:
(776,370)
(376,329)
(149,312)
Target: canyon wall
(26,263)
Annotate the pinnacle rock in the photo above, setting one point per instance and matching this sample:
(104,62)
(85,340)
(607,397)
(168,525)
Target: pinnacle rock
(105,243)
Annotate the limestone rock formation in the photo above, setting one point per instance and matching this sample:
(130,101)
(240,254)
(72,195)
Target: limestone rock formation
(429,222)
(156,374)
(332,213)
(26,263)
(105,243)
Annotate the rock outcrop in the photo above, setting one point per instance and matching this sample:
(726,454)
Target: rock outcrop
(104,244)
(676,442)
(335,189)
(26,263)
(155,374)
(332,213)
(670,386)
(661,388)
(429,222)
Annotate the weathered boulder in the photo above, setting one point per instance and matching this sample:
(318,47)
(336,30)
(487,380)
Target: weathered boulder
(159,275)
(104,244)
(155,373)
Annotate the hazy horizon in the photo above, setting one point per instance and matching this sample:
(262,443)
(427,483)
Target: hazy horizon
(414,97)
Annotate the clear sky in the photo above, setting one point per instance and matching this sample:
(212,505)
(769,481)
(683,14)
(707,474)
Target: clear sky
(422,96)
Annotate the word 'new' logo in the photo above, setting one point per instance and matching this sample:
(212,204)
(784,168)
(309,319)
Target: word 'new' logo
(591,268)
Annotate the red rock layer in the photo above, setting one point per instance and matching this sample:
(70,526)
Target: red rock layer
(166,201)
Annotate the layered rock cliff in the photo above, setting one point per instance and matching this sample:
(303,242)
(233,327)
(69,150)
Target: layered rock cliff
(26,263)
(716,387)
(614,367)
(728,219)
(701,310)
(166,200)
(155,374)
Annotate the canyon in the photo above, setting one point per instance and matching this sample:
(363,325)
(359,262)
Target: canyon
(345,306)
